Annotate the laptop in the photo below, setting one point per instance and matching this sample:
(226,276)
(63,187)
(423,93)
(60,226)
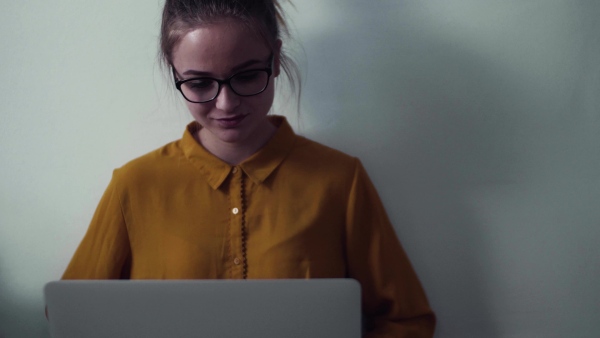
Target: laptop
(204,308)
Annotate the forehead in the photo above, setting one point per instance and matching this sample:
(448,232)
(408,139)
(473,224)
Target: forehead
(217,47)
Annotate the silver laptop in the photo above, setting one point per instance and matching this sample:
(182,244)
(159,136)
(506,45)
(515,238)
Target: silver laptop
(204,308)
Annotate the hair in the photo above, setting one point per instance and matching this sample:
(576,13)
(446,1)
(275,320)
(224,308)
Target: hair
(265,17)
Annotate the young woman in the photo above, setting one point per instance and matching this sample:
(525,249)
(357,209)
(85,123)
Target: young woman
(240,195)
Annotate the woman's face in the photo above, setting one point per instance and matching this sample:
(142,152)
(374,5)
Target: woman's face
(219,50)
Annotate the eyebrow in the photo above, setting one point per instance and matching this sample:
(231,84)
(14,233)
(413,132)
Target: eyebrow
(233,70)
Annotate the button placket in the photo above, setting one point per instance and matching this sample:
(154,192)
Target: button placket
(237,249)
(244,229)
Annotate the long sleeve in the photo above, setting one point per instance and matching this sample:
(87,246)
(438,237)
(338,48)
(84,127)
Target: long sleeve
(104,250)
(394,302)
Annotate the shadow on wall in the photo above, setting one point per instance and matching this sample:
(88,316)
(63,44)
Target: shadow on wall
(432,121)
(21,318)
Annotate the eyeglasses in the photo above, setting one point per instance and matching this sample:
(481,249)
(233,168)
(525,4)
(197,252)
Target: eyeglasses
(245,83)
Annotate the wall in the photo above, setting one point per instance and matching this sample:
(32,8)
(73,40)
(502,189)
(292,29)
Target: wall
(479,123)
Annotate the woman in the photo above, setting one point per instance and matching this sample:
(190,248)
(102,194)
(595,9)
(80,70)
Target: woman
(240,195)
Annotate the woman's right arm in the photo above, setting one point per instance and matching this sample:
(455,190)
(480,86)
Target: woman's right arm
(104,251)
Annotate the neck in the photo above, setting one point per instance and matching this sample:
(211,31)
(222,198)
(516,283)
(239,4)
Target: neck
(235,152)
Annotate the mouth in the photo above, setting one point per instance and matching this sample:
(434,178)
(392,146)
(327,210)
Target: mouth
(231,121)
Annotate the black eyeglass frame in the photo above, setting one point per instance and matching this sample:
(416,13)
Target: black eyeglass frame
(227,81)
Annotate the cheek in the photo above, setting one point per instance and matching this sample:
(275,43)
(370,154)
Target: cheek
(198,111)
(257,105)
(265,100)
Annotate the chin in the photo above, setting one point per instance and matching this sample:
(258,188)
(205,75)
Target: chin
(231,135)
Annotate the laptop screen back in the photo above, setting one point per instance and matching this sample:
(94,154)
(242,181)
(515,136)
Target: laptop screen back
(204,308)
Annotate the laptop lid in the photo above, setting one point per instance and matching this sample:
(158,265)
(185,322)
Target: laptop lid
(204,308)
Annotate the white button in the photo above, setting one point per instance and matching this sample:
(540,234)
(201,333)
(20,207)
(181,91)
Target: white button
(236,261)
(235,211)
(235,169)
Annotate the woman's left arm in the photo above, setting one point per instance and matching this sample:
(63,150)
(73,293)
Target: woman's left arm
(394,301)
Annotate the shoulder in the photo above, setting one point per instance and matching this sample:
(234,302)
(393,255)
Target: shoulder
(151,165)
(322,160)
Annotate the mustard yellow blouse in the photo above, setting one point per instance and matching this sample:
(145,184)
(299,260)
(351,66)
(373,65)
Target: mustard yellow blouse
(295,209)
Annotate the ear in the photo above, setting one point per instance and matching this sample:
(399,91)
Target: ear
(277,57)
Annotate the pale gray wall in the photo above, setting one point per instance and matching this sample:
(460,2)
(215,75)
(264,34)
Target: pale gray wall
(478,121)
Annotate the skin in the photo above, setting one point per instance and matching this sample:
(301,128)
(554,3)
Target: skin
(233,127)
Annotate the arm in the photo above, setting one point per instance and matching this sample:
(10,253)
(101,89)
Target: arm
(104,251)
(394,302)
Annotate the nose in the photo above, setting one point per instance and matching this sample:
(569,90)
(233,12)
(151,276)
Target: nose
(227,100)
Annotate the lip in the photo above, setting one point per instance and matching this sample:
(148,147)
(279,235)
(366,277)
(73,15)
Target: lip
(230,121)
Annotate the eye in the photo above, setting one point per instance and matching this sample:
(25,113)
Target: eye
(200,84)
(247,76)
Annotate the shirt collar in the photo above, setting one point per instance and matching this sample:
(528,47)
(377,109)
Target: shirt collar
(258,166)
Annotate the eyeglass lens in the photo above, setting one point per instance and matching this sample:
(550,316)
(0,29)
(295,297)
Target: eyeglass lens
(245,83)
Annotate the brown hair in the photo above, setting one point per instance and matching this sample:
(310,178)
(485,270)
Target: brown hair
(266,17)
